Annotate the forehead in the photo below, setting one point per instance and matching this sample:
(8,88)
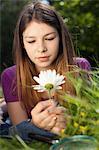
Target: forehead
(38,28)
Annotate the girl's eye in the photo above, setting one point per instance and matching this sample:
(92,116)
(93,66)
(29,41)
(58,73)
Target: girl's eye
(49,39)
(30,41)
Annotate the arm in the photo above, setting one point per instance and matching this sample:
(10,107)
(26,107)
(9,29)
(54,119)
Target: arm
(8,80)
(16,112)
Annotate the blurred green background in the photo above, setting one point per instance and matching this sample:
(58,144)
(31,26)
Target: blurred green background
(81,17)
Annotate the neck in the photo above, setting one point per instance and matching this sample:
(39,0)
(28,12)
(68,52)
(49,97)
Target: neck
(38,69)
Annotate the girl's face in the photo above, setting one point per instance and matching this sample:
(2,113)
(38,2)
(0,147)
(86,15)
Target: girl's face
(41,43)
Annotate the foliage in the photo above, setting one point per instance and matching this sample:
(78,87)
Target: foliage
(17,143)
(82,110)
(82,19)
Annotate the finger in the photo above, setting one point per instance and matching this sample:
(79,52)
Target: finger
(42,106)
(57,110)
(61,118)
(37,118)
(56,130)
(49,122)
(43,115)
(60,125)
(46,113)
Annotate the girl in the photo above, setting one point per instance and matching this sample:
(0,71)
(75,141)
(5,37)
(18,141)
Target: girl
(41,42)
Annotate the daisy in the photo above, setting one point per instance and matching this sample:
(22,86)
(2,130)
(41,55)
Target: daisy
(48,81)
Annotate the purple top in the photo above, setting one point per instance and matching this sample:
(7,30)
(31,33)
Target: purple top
(9,75)
(7,79)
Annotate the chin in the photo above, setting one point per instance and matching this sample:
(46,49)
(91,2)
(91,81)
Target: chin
(44,66)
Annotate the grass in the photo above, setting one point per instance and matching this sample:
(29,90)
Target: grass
(19,144)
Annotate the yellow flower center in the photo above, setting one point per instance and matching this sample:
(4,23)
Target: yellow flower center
(49,86)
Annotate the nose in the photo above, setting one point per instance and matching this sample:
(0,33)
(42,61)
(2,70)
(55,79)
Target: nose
(42,47)
(42,50)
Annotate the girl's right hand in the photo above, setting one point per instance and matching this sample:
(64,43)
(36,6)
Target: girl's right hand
(41,116)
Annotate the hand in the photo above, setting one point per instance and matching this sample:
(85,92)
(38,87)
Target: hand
(61,119)
(41,116)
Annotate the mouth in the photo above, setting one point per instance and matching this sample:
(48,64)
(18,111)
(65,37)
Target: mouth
(43,58)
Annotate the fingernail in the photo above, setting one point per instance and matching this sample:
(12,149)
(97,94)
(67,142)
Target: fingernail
(53,101)
(54,118)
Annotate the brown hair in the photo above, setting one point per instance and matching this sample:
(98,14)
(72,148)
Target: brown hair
(24,66)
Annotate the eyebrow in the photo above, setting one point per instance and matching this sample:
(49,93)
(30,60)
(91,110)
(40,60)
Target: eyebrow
(44,35)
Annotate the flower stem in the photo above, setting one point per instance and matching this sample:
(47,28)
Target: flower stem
(49,94)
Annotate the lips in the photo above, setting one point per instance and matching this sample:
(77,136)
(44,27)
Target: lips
(43,58)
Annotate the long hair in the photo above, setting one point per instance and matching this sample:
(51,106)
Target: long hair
(25,68)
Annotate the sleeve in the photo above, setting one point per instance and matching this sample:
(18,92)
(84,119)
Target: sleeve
(82,63)
(28,131)
(7,80)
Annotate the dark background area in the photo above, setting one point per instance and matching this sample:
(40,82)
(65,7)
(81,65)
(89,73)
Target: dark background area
(81,17)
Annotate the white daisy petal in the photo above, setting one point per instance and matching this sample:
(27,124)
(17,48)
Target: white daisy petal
(37,87)
(59,87)
(59,82)
(36,79)
(41,90)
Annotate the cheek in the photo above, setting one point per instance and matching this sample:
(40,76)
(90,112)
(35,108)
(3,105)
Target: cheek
(56,53)
(31,56)
(28,49)
(30,52)
(56,47)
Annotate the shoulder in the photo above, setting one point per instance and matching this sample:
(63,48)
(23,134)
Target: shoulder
(8,82)
(82,63)
(9,73)
(9,70)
